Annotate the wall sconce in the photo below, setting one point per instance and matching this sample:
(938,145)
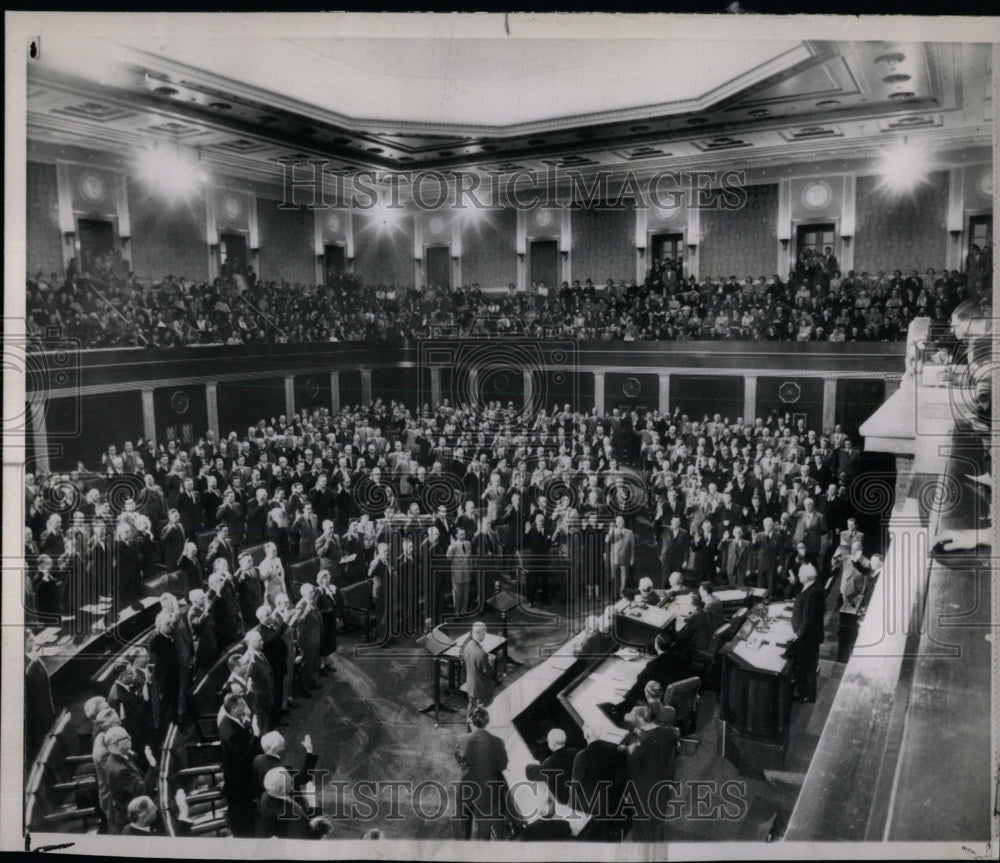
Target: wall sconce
(454,259)
(417,260)
(846,238)
(254,251)
(692,248)
(955,233)
(641,250)
(785,241)
(214,248)
(68,236)
(520,257)
(124,241)
(350,261)
(565,255)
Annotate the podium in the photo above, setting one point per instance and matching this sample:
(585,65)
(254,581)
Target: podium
(436,643)
(502,602)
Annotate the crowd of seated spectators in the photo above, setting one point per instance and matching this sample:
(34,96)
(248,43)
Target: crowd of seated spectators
(107,306)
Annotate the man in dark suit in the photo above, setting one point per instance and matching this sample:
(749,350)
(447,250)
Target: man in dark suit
(221,547)
(807,623)
(261,677)
(166,667)
(669,665)
(483,758)
(696,631)
(125,780)
(811,529)
(279,814)
(240,743)
(769,551)
(271,628)
(546,827)
(39,711)
(558,767)
(598,780)
(249,590)
(273,746)
(734,553)
(674,549)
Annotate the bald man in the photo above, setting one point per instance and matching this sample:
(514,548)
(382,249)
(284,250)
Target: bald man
(558,767)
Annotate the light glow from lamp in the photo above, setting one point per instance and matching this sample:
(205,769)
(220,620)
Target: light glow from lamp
(903,169)
(170,173)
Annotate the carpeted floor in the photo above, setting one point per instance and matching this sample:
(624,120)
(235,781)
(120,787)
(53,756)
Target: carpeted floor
(367,729)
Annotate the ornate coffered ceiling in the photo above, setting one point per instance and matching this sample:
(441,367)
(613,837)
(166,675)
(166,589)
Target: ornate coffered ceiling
(245,109)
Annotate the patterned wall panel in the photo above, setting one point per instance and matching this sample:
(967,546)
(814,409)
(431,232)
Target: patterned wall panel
(287,243)
(167,239)
(741,242)
(906,233)
(384,252)
(488,249)
(44,250)
(603,245)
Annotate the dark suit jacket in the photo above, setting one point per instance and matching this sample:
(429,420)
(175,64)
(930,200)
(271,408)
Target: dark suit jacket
(675,548)
(166,673)
(598,776)
(557,770)
(238,747)
(284,819)
(263,763)
(665,668)
(807,616)
(126,782)
(483,758)
(696,631)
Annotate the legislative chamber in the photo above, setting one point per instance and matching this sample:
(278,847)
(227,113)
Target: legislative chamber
(439,458)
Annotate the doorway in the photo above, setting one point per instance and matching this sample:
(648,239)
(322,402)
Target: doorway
(815,237)
(438,267)
(669,246)
(233,254)
(97,243)
(545,262)
(980,231)
(333,261)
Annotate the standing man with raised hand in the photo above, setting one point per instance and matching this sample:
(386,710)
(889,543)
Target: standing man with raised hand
(807,623)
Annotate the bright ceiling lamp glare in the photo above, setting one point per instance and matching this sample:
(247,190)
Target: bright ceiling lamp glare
(903,169)
(171,174)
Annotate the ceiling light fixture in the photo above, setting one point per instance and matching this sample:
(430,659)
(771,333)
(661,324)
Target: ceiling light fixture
(903,168)
(170,172)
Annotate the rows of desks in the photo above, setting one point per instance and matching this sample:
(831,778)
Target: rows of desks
(604,679)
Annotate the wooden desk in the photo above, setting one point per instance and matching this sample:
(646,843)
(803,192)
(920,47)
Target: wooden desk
(637,625)
(756,694)
(509,704)
(71,664)
(607,682)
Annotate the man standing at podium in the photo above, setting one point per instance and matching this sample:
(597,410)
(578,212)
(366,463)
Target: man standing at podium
(807,623)
(478,668)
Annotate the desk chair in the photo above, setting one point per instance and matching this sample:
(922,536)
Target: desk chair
(684,696)
(703,661)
